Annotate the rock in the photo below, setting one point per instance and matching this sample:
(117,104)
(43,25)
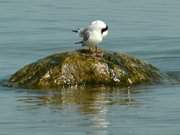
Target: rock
(79,67)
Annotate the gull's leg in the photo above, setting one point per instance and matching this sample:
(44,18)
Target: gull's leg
(96,49)
(90,49)
(98,52)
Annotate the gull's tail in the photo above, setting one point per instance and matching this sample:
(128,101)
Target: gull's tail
(78,42)
(76,31)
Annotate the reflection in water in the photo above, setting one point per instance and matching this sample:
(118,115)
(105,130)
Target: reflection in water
(89,100)
(93,103)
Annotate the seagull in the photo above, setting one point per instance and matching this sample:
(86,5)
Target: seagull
(93,34)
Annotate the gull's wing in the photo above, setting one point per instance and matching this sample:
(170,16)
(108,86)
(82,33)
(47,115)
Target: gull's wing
(85,34)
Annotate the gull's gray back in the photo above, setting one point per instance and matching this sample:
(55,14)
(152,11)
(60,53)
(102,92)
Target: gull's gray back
(85,33)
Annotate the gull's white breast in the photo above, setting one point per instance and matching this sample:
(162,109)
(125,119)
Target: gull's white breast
(94,39)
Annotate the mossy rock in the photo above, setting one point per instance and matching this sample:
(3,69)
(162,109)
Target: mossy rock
(80,67)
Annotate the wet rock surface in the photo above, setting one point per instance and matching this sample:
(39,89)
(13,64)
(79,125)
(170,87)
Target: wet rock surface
(81,67)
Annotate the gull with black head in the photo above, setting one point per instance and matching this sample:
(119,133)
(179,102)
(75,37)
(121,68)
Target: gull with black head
(93,34)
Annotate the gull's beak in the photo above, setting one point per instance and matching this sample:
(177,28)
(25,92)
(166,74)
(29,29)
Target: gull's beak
(104,31)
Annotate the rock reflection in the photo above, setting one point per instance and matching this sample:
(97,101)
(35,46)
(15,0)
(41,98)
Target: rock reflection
(94,103)
(89,100)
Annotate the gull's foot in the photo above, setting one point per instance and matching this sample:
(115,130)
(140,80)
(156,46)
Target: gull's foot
(96,53)
(99,54)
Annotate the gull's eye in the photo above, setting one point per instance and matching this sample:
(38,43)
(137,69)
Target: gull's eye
(104,29)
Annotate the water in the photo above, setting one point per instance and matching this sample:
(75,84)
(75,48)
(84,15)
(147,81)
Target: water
(30,30)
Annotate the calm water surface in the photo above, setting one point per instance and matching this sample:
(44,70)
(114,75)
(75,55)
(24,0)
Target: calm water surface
(32,29)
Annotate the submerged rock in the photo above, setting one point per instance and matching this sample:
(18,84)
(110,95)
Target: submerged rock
(81,68)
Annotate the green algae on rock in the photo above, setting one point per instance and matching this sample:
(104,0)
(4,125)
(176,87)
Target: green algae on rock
(79,67)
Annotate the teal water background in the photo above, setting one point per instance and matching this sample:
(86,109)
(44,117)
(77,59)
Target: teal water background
(30,30)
